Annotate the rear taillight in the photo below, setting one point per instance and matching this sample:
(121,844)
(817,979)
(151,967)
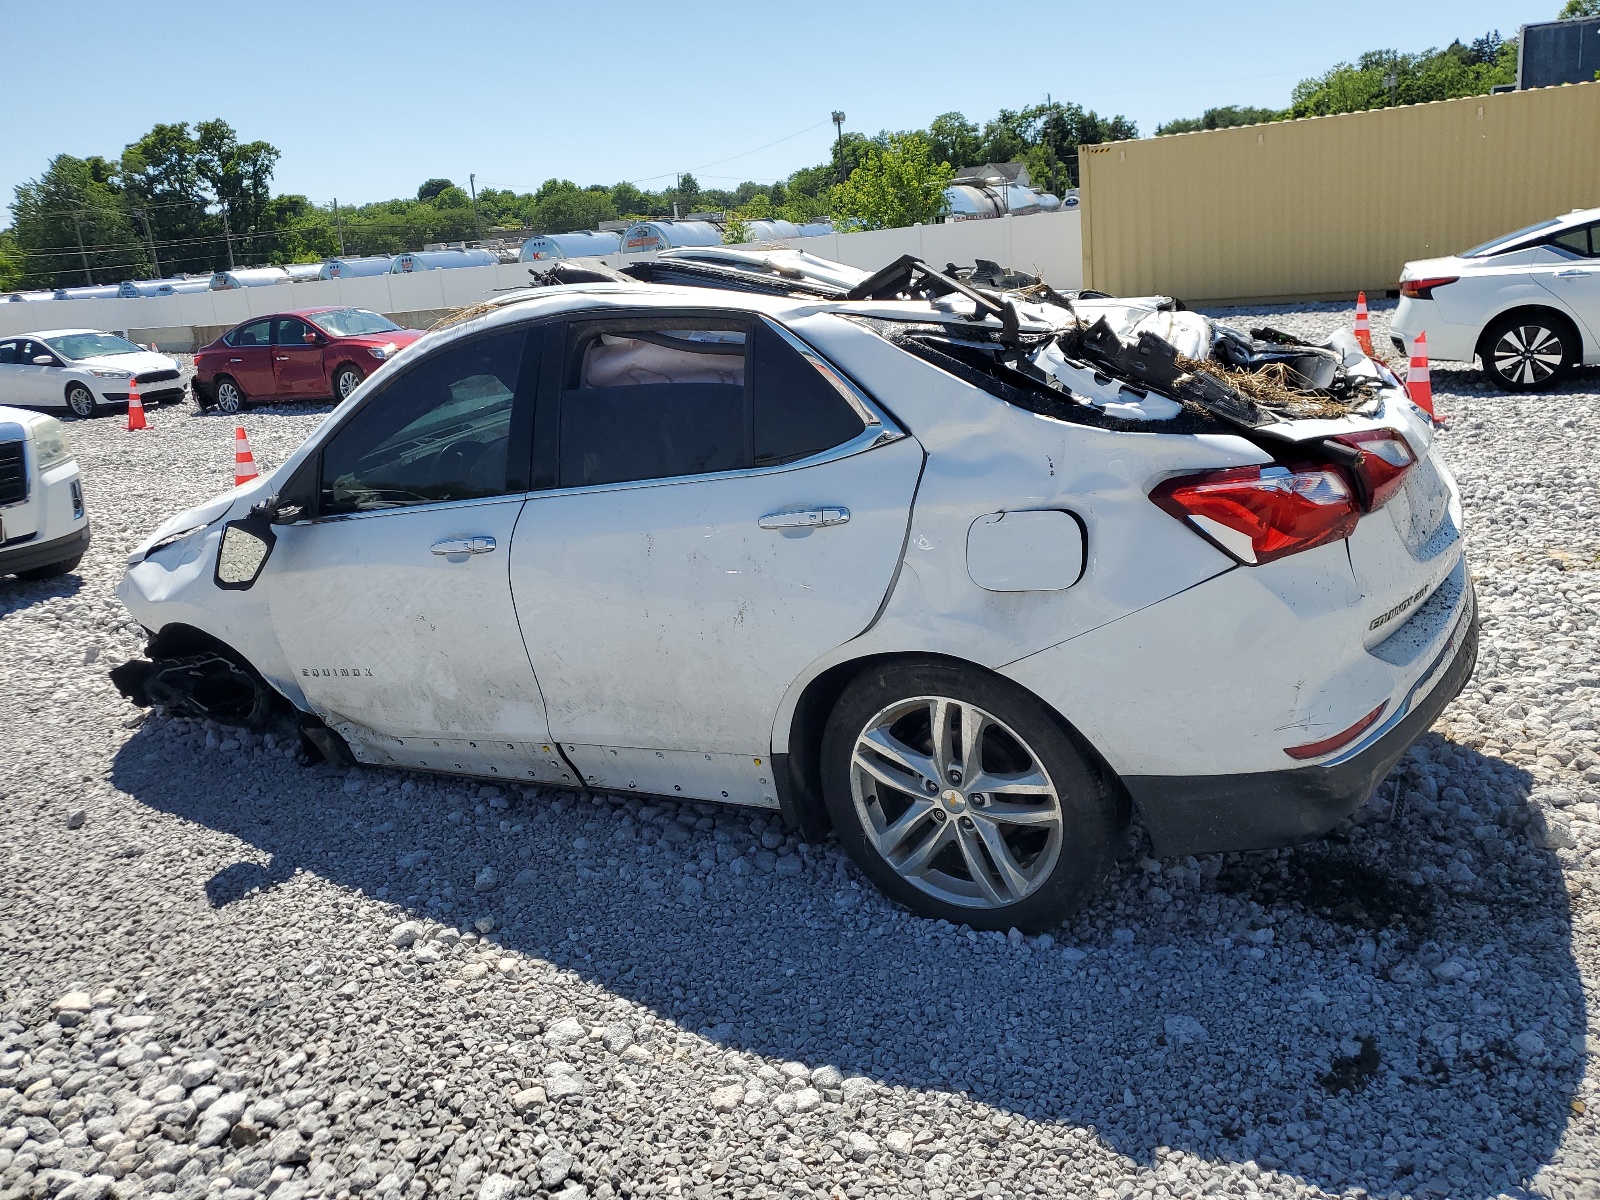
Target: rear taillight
(1381,461)
(1258,514)
(1422,289)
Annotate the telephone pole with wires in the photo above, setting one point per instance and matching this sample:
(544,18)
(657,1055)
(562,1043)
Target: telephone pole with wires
(155,261)
(838,139)
(84,254)
(338,228)
(477,225)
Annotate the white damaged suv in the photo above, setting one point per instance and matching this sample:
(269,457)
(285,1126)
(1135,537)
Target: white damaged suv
(44,528)
(964,576)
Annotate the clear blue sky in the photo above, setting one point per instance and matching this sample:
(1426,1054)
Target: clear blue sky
(366,100)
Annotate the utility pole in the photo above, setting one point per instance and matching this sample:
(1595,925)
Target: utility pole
(226,232)
(144,215)
(338,228)
(838,139)
(84,254)
(472,182)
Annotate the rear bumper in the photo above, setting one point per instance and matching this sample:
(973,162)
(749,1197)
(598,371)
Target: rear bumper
(25,556)
(1209,814)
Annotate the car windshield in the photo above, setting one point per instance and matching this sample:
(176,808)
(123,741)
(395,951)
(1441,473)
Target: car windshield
(1506,242)
(353,322)
(91,345)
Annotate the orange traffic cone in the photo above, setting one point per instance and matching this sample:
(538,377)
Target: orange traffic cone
(1418,382)
(135,408)
(1363,326)
(244,463)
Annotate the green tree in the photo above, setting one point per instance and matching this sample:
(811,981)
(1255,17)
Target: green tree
(1576,10)
(10,261)
(566,207)
(431,188)
(452,197)
(897,184)
(1227,117)
(955,140)
(1383,77)
(76,201)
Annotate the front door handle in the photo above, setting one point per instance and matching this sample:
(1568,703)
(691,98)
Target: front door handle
(805,518)
(283,358)
(1572,273)
(475,545)
(234,360)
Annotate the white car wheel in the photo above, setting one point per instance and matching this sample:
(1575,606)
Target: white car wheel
(346,381)
(1524,353)
(81,402)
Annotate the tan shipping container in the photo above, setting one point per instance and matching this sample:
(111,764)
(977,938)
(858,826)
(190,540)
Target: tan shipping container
(1324,207)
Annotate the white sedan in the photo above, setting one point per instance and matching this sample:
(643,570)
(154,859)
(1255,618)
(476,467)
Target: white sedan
(1526,304)
(961,577)
(83,370)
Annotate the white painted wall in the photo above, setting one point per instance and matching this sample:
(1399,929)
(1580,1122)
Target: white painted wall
(1047,244)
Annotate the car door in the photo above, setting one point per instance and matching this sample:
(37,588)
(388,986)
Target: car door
(1569,268)
(249,359)
(721,510)
(37,383)
(297,359)
(391,600)
(10,376)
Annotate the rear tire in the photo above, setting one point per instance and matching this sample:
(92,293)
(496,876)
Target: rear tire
(52,570)
(1017,831)
(229,396)
(1528,352)
(81,402)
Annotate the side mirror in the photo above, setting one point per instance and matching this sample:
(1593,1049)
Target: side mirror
(313,338)
(246,546)
(43,360)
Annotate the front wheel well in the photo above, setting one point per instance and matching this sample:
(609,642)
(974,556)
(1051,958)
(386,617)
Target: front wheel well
(75,383)
(1542,311)
(798,772)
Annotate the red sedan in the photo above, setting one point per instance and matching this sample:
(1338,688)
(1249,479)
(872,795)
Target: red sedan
(310,353)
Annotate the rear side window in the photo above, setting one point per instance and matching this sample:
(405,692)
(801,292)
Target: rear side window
(652,401)
(798,410)
(8,353)
(1580,241)
(257,333)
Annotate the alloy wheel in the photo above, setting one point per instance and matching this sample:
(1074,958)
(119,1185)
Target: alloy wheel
(956,802)
(1528,354)
(229,398)
(347,382)
(81,401)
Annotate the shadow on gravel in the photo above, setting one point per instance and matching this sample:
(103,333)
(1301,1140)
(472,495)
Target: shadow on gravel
(1392,1008)
(18,594)
(238,881)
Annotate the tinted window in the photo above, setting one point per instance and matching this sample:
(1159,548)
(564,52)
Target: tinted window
(798,410)
(33,350)
(290,331)
(437,432)
(1579,241)
(8,352)
(257,333)
(652,403)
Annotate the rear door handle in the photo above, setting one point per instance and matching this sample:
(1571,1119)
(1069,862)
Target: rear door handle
(805,518)
(475,545)
(234,360)
(283,358)
(1572,273)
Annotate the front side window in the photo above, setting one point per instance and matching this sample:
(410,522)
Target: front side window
(652,401)
(438,432)
(257,333)
(8,353)
(290,331)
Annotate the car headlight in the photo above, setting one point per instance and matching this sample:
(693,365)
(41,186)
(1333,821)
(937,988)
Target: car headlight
(55,447)
(387,350)
(99,374)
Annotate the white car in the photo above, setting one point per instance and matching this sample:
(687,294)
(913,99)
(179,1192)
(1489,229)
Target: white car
(83,370)
(44,528)
(1526,304)
(960,576)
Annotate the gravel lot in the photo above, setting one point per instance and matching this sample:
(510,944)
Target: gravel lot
(226,973)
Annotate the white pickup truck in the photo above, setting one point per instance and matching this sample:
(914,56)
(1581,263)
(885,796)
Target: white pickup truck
(44,527)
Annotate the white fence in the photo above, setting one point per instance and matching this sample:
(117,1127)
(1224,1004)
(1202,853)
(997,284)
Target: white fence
(1049,244)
